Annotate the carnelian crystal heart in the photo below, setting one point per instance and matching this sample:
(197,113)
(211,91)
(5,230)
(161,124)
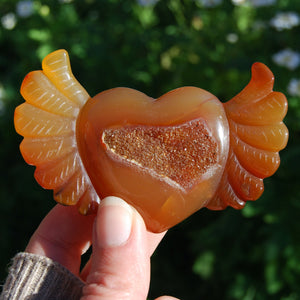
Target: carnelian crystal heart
(167,157)
(139,161)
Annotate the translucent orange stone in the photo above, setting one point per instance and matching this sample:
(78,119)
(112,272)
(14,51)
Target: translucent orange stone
(168,157)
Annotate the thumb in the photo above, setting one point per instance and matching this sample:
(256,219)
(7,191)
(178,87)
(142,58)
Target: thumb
(120,263)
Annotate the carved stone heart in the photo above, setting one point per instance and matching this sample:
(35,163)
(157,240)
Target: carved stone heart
(167,157)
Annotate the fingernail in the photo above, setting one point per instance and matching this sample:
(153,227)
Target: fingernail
(114,222)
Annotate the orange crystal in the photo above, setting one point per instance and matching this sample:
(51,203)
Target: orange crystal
(177,154)
(168,157)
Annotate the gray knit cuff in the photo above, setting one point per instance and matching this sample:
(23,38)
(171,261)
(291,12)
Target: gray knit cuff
(33,277)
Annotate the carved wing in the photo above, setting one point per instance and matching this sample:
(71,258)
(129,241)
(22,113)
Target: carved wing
(257,134)
(47,121)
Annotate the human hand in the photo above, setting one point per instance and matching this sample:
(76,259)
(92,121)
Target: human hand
(119,267)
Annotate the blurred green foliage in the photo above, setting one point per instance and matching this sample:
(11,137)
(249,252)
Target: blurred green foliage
(248,254)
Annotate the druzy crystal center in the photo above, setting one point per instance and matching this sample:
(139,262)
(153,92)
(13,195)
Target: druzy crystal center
(178,154)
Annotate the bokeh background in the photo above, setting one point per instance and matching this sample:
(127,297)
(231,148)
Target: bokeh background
(156,46)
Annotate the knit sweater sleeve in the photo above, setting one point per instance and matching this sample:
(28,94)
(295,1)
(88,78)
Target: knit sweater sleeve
(33,277)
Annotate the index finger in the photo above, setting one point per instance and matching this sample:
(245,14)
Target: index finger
(63,235)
